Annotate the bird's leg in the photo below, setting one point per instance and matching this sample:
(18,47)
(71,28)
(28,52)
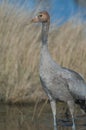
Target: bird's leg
(53,107)
(73,121)
(71,108)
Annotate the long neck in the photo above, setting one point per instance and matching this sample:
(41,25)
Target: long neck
(45,29)
(46,58)
(44,47)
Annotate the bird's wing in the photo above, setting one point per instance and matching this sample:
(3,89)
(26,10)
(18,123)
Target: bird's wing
(61,88)
(76,83)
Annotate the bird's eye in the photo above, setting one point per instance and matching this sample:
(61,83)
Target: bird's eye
(40,15)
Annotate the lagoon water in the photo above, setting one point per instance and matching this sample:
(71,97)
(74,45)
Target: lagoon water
(20,118)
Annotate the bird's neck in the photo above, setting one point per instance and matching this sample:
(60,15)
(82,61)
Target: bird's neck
(45,30)
(46,59)
(44,47)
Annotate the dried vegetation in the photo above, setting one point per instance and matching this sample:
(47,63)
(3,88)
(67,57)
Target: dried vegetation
(20,51)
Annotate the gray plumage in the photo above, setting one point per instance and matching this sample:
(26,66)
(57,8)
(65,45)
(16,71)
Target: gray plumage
(59,83)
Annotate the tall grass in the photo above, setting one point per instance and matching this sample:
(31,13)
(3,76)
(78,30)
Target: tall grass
(20,52)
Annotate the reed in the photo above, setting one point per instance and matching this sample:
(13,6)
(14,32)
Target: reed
(20,52)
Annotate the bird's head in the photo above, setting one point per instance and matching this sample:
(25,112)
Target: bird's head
(41,17)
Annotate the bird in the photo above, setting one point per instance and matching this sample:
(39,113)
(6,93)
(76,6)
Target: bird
(59,83)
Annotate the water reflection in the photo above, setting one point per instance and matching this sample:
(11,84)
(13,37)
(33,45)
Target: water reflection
(20,118)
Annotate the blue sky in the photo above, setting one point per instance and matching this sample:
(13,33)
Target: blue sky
(61,10)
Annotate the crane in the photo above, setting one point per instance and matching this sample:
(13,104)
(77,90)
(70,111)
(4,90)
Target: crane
(59,83)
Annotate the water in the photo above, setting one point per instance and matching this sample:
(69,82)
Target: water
(20,118)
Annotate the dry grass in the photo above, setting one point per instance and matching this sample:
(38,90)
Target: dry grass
(20,50)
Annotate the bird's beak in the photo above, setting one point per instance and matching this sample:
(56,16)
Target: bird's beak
(35,20)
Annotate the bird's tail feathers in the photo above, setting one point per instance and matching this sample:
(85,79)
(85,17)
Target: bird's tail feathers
(82,104)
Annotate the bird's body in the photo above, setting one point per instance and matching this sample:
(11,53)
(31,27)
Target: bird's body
(62,83)
(50,75)
(59,83)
